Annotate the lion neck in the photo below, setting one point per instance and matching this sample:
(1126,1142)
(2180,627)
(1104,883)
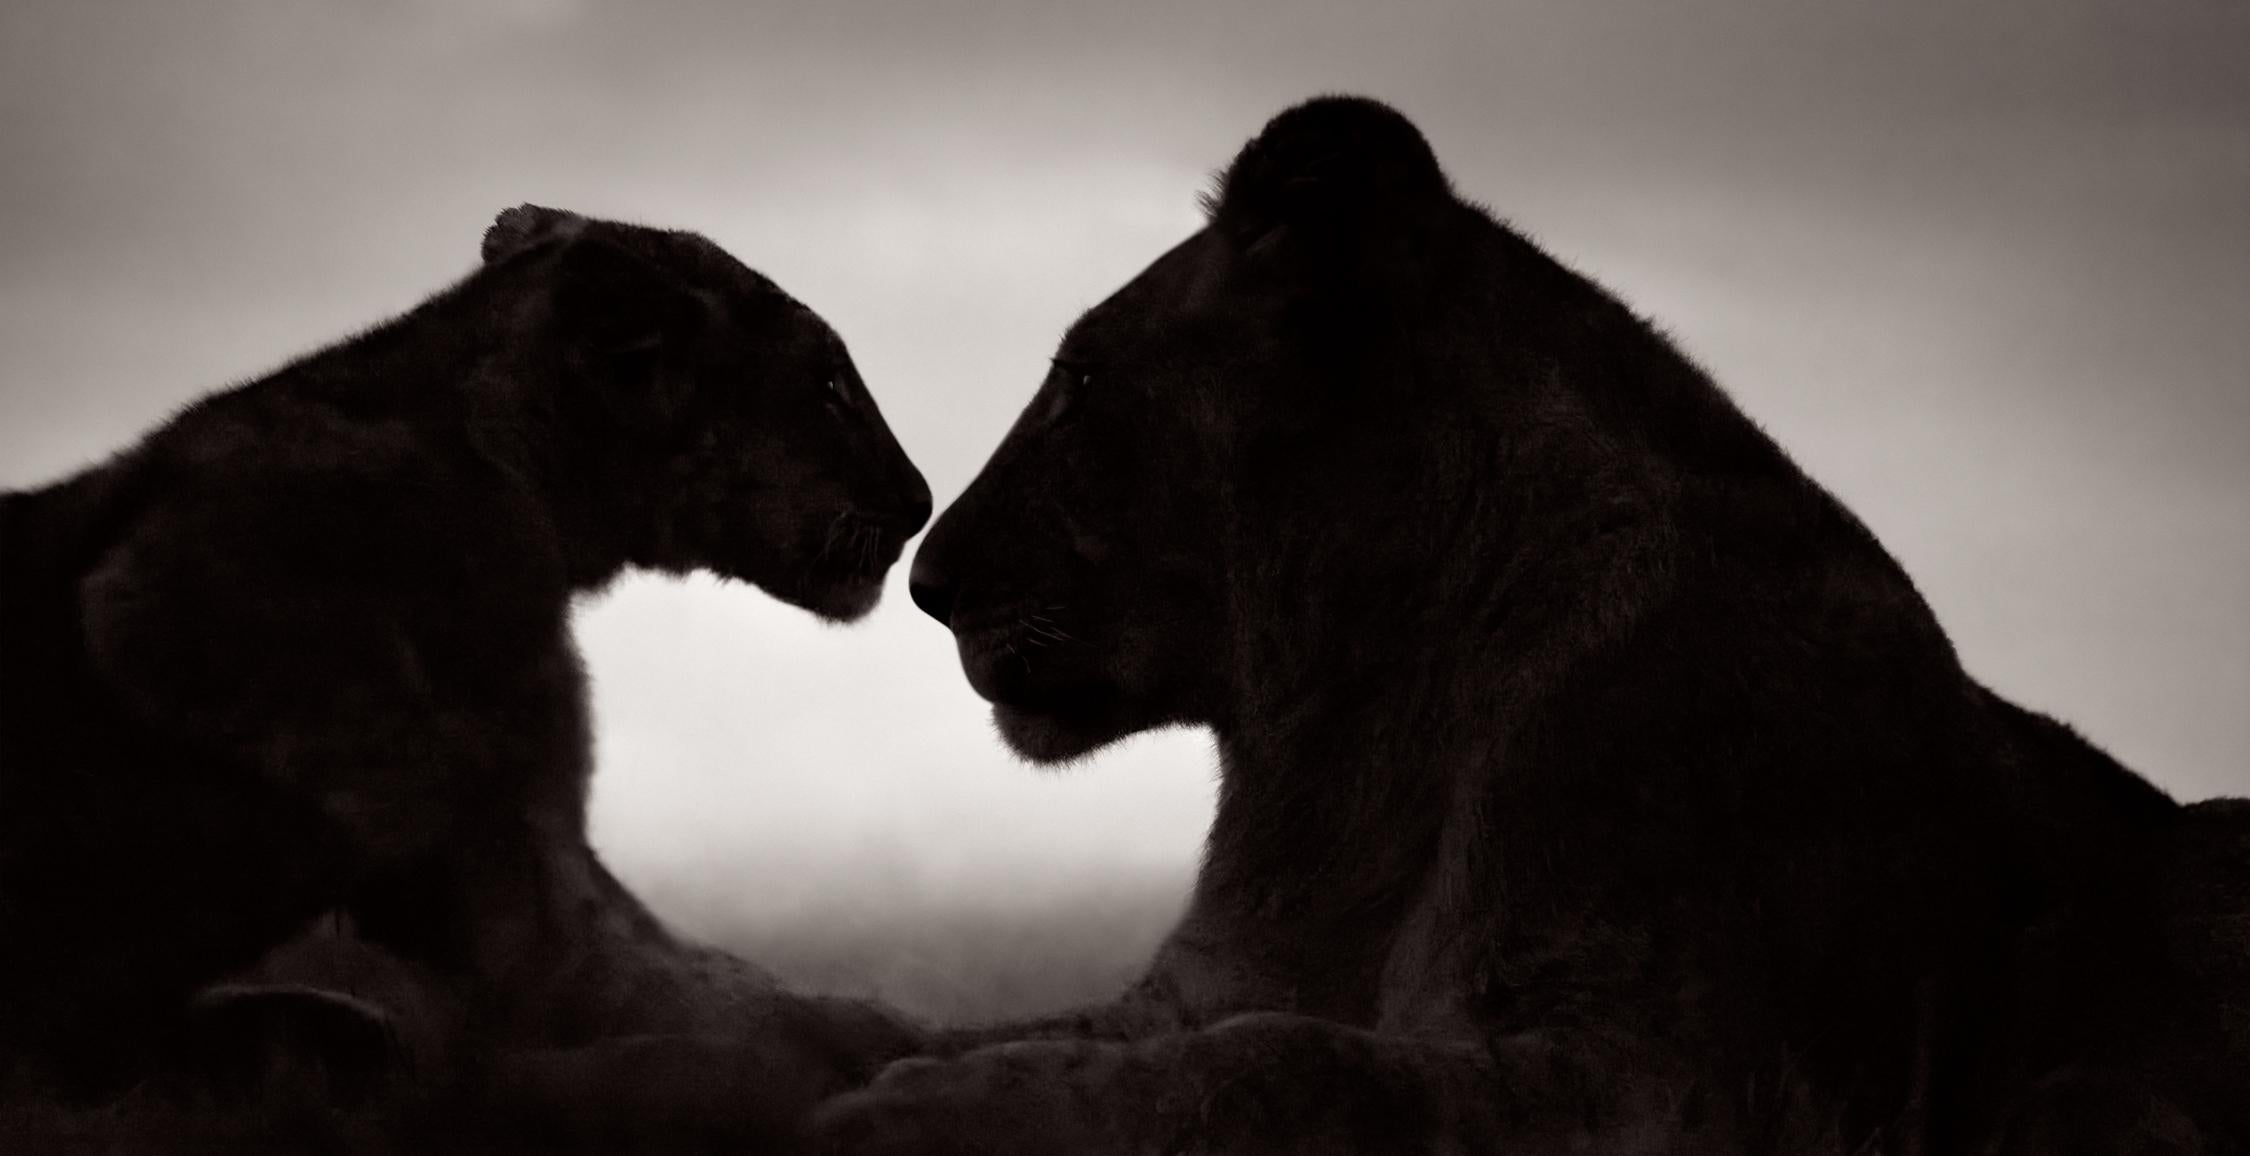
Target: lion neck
(1383,672)
(603,521)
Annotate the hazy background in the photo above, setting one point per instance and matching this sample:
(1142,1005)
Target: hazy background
(1985,269)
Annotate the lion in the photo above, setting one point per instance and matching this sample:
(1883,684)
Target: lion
(1592,780)
(306,648)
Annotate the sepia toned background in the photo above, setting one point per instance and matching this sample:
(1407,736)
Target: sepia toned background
(1985,269)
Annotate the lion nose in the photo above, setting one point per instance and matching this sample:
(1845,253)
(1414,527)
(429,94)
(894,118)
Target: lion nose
(930,589)
(917,506)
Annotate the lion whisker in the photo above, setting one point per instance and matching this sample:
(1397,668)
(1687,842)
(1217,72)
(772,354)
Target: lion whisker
(838,527)
(1045,627)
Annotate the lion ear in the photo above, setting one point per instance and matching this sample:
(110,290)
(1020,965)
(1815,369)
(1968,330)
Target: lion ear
(1329,169)
(626,323)
(523,226)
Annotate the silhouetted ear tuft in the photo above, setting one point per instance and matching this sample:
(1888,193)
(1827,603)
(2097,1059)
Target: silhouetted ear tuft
(525,225)
(1333,160)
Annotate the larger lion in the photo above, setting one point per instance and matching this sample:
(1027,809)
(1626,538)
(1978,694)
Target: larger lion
(1593,780)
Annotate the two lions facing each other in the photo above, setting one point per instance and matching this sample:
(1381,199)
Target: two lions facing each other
(306,647)
(1593,780)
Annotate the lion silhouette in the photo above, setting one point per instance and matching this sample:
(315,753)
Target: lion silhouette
(306,648)
(1592,780)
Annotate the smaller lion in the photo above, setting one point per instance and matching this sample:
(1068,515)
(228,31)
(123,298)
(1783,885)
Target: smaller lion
(306,648)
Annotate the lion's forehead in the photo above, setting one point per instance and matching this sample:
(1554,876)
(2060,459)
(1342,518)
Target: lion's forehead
(1188,279)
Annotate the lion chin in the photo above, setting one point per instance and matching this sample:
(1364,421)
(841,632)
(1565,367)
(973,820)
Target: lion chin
(1058,736)
(842,601)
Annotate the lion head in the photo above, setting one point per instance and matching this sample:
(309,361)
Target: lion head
(689,414)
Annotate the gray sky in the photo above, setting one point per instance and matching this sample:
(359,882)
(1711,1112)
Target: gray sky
(1985,269)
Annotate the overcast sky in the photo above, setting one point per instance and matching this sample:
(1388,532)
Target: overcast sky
(1983,268)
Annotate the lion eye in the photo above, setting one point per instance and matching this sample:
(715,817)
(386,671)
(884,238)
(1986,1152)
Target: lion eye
(1070,369)
(1068,379)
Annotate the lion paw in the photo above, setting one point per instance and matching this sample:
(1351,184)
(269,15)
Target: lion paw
(1013,1100)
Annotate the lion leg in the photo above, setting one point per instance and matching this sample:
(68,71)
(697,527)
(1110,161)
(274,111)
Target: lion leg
(604,964)
(583,998)
(1267,1082)
(1135,1017)
(1195,980)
